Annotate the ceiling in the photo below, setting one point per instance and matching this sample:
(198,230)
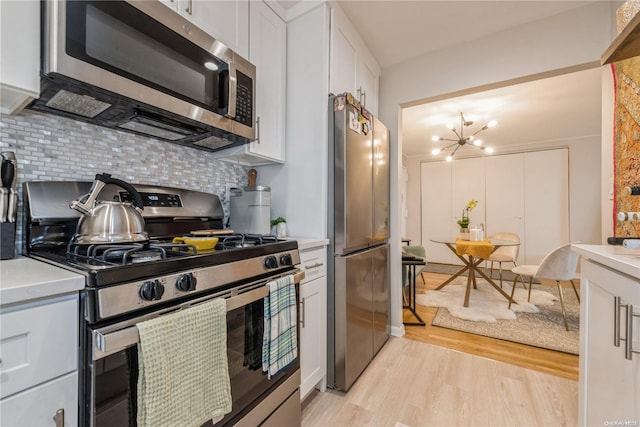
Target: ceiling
(543,110)
(536,112)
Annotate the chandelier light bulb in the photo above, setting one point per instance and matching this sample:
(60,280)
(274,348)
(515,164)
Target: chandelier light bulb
(463,137)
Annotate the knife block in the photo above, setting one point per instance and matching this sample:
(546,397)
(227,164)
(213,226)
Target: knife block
(7,240)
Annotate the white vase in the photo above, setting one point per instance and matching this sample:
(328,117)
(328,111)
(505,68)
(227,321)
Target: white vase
(281,229)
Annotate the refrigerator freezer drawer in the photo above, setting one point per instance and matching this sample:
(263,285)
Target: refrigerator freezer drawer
(361,312)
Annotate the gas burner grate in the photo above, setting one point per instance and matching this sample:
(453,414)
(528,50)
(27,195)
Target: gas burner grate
(129,253)
(243,240)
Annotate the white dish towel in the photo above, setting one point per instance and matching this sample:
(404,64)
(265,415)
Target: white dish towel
(183,375)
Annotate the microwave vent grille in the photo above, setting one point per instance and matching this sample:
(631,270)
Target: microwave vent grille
(82,105)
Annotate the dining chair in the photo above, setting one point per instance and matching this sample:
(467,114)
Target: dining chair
(504,253)
(418,251)
(560,265)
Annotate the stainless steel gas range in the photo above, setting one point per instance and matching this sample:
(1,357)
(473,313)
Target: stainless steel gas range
(130,282)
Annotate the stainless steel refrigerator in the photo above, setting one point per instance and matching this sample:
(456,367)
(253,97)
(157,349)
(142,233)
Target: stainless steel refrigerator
(358,276)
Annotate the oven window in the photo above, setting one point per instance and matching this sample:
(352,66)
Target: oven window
(115,377)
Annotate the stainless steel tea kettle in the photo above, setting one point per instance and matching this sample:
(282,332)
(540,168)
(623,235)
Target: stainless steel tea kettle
(109,221)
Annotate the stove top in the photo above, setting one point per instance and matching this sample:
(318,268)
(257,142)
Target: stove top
(51,224)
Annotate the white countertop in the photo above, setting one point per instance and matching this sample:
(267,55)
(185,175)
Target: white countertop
(616,257)
(310,242)
(23,279)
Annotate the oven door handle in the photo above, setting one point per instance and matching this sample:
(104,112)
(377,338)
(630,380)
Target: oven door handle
(110,341)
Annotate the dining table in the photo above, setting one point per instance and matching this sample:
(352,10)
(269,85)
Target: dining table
(472,254)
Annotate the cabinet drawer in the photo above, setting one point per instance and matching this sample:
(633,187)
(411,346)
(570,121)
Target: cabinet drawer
(37,406)
(38,342)
(314,263)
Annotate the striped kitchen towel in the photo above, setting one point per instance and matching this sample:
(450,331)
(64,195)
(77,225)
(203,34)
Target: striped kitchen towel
(280,340)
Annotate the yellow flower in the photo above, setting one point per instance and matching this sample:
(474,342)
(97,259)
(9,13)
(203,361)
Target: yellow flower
(472,204)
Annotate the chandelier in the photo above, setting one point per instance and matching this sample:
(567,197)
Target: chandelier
(462,140)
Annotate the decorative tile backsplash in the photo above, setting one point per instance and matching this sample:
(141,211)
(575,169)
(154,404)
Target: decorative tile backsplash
(53,148)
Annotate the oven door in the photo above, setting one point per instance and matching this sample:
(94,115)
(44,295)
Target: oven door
(111,366)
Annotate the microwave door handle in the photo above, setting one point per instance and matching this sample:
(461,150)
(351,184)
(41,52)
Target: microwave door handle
(109,342)
(233,92)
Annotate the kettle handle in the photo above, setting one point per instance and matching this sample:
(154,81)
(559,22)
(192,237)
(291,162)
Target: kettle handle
(108,179)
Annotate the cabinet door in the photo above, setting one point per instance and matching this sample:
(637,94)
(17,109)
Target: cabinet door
(367,80)
(353,67)
(609,383)
(436,210)
(268,54)
(505,196)
(546,202)
(38,341)
(313,333)
(344,54)
(37,406)
(225,20)
(19,61)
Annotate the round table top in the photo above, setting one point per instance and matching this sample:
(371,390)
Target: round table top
(494,242)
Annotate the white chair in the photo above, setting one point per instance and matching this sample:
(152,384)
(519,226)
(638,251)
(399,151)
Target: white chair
(504,253)
(560,265)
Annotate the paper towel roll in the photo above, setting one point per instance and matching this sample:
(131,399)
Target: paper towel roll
(631,243)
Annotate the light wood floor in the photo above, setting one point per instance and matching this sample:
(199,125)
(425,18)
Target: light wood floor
(548,361)
(434,377)
(411,383)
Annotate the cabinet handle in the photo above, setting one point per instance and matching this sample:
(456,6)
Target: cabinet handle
(258,129)
(189,8)
(628,348)
(309,267)
(628,327)
(302,312)
(59,418)
(617,303)
(362,94)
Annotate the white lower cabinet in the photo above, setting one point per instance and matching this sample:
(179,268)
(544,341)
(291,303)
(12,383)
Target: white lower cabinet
(39,362)
(609,385)
(54,403)
(313,321)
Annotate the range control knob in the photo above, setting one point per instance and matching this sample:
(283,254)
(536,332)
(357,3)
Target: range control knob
(286,259)
(151,290)
(186,282)
(271,262)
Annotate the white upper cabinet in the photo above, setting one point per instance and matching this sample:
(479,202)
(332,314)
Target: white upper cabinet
(353,67)
(227,21)
(268,35)
(19,61)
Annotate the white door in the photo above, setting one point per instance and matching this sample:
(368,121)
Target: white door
(436,210)
(546,202)
(505,196)
(467,182)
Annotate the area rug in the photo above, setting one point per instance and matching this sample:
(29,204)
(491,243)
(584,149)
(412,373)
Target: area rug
(538,323)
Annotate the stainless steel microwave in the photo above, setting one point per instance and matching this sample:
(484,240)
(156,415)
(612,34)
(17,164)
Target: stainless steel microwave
(139,67)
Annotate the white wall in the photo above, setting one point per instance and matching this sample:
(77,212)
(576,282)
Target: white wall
(574,38)
(584,189)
